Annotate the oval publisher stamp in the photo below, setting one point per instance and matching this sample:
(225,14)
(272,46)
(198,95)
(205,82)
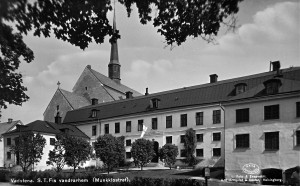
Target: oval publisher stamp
(251,168)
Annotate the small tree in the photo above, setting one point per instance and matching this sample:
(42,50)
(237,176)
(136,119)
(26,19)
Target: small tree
(142,152)
(77,150)
(110,150)
(169,152)
(190,146)
(56,156)
(121,149)
(29,149)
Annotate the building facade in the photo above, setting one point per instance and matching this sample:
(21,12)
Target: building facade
(263,132)
(46,129)
(164,127)
(167,115)
(6,127)
(212,110)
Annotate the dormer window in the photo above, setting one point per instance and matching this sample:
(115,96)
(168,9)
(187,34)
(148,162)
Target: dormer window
(94,113)
(240,88)
(272,86)
(154,103)
(64,130)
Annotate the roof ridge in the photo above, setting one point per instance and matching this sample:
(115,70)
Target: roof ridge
(258,75)
(91,70)
(66,97)
(114,83)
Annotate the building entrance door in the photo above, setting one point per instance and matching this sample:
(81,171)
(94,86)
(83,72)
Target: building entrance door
(155,148)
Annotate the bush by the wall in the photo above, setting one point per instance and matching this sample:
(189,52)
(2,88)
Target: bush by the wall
(165,182)
(4,175)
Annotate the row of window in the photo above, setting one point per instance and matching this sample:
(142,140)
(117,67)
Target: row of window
(242,115)
(271,140)
(216,137)
(169,122)
(216,152)
(8,143)
(270,112)
(199,137)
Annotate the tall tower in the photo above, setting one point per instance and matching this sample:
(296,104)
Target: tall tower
(114,66)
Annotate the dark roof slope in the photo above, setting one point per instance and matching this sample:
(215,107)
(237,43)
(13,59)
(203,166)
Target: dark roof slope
(113,85)
(49,128)
(210,93)
(6,126)
(74,100)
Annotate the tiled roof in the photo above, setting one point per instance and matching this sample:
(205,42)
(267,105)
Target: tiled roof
(210,93)
(49,128)
(113,85)
(6,126)
(75,100)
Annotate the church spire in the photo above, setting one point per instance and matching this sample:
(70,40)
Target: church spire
(114,66)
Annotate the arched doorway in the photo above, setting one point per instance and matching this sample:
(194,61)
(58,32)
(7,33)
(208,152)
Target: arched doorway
(155,148)
(272,176)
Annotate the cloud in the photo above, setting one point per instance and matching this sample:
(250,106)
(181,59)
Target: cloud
(273,34)
(41,87)
(275,24)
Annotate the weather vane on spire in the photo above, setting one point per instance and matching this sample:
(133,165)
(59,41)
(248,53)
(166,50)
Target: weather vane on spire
(58,84)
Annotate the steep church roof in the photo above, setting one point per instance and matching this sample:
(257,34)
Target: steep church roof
(75,101)
(106,81)
(210,93)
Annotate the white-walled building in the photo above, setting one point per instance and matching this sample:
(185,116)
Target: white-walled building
(48,130)
(263,127)
(167,115)
(6,127)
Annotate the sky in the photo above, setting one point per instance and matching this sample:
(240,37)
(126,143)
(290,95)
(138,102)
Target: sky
(268,30)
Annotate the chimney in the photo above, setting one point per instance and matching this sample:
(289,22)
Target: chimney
(89,66)
(9,120)
(57,118)
(94,101)
(128,95)
(275,65)
(146,92)
(213,78)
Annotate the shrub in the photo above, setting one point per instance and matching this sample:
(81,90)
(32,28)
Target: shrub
(110,150)
(190,146)
(142,152)
(169,153)
(4,175)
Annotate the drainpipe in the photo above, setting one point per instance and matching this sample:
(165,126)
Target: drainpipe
(222,107)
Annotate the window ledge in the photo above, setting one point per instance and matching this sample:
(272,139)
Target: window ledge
(266,120)
(242,122)
(271,150)
(242,148)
